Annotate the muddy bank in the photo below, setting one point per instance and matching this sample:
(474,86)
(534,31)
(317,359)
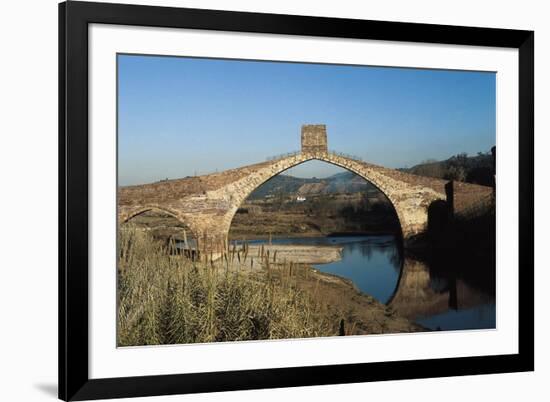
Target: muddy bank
(361,313)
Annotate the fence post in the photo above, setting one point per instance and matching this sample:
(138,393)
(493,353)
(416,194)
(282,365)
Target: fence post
(449,192)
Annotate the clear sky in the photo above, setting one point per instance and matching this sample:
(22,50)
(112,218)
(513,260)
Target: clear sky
(184,116)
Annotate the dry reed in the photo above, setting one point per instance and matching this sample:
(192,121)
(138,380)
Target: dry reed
(164,297)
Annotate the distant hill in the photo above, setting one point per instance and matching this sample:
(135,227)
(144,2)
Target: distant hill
(345,182)
(472,169)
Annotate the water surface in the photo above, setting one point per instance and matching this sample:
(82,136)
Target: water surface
(439,297)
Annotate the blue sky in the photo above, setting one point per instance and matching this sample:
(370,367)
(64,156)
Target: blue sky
(184,116)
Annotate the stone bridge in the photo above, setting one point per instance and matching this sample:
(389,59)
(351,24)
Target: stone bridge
(206,204)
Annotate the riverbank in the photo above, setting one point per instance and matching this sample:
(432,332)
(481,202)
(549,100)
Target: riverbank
(304,235)
(362,313)
(166,298)
(320,215)
(356,312)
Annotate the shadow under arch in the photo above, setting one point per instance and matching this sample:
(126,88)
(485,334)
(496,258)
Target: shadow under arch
(167,211)
(373,182)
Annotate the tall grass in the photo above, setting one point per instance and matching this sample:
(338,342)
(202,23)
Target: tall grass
(167,299)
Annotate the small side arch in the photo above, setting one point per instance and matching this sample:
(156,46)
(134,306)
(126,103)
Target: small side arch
(126,216)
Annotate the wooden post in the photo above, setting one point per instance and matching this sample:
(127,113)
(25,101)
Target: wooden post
(449,192)
(186,245)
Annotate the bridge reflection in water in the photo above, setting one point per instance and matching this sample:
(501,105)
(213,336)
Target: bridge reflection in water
(439,298)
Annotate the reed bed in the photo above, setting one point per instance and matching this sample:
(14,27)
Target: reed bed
(168,298)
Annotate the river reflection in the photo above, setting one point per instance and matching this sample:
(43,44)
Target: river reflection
(444,295)
(439,299)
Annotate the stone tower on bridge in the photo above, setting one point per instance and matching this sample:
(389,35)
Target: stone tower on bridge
(314,138)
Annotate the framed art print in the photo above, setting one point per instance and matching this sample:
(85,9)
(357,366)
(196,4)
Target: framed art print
(258,200)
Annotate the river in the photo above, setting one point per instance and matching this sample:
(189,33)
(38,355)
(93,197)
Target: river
(439,296)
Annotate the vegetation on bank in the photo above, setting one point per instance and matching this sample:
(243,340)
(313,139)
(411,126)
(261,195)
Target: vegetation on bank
(167,299)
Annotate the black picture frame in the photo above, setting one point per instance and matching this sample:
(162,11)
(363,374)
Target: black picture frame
(74,18)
